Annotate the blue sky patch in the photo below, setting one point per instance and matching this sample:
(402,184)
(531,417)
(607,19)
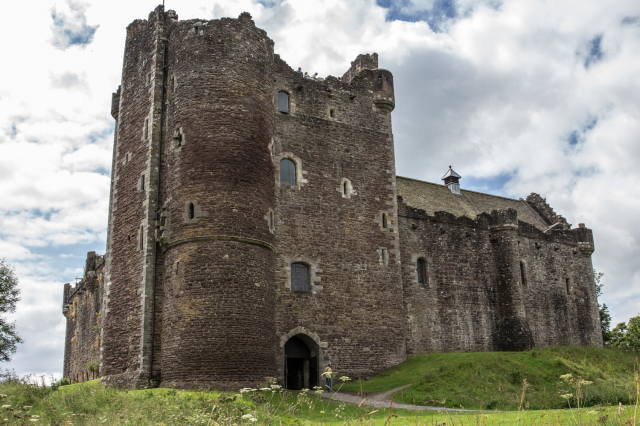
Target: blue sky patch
(631,20)
(493,185)
(71,30)
(437,16)
(595,51)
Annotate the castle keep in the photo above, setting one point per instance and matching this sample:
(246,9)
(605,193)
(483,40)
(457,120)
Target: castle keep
(257,228)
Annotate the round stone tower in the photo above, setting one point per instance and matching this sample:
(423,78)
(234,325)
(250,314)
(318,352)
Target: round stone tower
(217,198)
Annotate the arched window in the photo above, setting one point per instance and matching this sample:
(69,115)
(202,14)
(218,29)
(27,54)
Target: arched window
(287,172)
(522,274)
(299,277)
(192,211)
(420,269)
(283,102)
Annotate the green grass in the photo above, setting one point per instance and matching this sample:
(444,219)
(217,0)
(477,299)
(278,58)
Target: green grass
(494,380)
(91,404)
(468,379)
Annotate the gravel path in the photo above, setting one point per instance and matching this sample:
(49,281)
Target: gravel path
(382,400)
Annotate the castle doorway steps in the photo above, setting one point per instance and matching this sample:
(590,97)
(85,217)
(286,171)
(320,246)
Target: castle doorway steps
(301,364)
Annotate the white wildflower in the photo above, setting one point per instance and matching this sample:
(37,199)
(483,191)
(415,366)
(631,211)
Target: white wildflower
(565,376)
(265,389)
(245,390)
(276,387)
(345,378)
(247,417)
(567,396)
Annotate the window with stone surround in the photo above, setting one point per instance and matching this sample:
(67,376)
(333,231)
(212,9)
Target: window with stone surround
(299,277)
(287,172)
(384,221)
(421,270)
(192,211)
(523,278)
(283,102)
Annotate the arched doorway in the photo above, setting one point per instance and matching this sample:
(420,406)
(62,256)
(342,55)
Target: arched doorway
(300,363)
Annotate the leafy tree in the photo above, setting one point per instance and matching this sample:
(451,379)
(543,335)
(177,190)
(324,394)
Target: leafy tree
(9,296)
(605,317)
(627,336)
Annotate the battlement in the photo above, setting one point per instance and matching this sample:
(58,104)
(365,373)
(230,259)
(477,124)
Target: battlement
(545,211)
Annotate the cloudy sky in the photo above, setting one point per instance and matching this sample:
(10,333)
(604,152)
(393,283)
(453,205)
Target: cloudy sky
(519,96)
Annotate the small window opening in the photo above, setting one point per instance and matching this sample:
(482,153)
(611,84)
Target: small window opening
(283,102)
(197,28)
(146,128)
(192,211)
(345,190)
(272,220)
(142,182)
(172,85)
(149,78)
(331,113)
(141,237)
(177,138)
(163,220)
(523,279)
(287,172)
(567,284)
(420,269)
(299,277)
(383,254)
(384,220)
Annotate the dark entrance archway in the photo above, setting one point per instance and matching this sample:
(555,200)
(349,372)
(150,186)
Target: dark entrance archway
(300,363)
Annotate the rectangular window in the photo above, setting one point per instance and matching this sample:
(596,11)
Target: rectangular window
(283,102)
(299,277)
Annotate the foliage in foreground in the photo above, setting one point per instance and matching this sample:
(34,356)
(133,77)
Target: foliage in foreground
(26,402)
(493,380)
(9,296)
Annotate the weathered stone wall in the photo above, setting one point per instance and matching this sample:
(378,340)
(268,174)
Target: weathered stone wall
(81,306)
(337,135)
(218,315)
(474,299)
(126,343)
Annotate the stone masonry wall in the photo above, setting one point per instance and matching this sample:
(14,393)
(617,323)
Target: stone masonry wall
(336,135)
(459,306)
(218,313)
(82,308)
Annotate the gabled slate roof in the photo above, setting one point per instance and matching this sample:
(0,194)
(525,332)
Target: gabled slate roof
(433,197)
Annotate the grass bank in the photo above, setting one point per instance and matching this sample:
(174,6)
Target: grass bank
(494,380)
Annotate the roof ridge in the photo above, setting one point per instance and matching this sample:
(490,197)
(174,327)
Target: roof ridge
(461,189)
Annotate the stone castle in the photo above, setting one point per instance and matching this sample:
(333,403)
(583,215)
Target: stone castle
(257,228)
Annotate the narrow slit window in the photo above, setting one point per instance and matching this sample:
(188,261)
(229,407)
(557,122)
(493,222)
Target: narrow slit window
(142,182)
(141,237)
(192,211)
(523,278)
(331,113)
(299,277)
(567,284)
(283,102)
(384,220)
(383,254)
(272,220)
(345,189)
(172,85)
(146,128)
(287,172)
(420,269)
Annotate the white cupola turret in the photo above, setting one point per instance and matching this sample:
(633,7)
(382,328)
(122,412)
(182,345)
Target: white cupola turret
(451,179)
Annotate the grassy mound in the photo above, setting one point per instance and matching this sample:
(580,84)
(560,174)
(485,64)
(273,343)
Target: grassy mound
(494,380)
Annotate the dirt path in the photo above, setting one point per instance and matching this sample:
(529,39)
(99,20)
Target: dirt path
(382,400)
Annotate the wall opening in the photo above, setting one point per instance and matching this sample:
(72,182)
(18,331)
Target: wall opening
(523,278)
(192,211)
(287,172)
(345,189)
(331,113)
(172,85)
(299,277)
(141,244)
(384,220)
(283,102)
(142,182)
(301,363)
(146,128)
(567,284)
(421,269)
